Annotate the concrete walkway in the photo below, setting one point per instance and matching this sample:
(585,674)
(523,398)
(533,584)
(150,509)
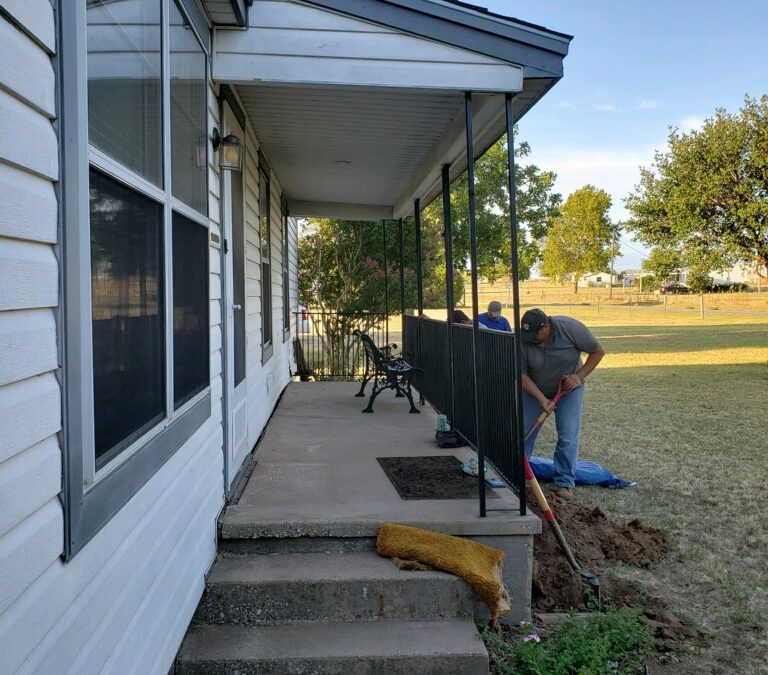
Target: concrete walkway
(317,475)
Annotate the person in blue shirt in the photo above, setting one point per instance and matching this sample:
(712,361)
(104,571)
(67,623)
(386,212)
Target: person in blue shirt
(493,319)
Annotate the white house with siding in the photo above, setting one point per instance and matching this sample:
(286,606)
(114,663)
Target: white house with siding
(146,293)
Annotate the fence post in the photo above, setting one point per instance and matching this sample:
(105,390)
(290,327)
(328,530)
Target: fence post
(701,305)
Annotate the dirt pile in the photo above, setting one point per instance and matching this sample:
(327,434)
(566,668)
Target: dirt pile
(596,540)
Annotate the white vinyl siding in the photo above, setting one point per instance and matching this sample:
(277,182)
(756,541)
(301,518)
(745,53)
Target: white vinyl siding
(265,382)
(123,603)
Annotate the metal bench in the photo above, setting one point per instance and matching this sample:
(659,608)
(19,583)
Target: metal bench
(387,372)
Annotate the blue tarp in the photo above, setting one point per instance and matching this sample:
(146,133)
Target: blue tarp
(587,473)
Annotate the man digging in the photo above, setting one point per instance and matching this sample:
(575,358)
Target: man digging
(551,351)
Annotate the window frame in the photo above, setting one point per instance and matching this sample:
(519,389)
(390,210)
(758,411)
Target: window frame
(265,245)
(286,276)
(91,498)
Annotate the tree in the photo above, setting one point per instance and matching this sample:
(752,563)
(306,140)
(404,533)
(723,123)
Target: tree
(662,261)
(536,203)
(706,197)
(579,237)
(342,274)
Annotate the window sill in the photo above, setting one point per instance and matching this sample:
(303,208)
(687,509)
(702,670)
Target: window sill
(286,334)
(266,353)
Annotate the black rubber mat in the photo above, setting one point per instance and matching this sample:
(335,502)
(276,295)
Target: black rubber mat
(436,477)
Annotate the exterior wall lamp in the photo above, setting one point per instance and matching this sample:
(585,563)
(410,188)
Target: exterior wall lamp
(230,151)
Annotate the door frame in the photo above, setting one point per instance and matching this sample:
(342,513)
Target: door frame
(229,113)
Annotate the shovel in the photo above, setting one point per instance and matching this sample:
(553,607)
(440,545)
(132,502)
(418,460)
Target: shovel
(591,581)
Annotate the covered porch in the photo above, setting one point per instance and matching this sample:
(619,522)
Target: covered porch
(316,474)
(369,111)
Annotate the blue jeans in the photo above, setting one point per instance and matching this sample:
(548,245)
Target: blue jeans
(568,422)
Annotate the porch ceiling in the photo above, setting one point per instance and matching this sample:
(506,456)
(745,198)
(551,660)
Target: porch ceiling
(345,146)
(367,153)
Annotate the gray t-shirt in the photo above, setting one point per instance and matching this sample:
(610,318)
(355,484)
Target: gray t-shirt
(562,355)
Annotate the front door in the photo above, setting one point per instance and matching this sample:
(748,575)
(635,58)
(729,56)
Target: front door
(233,194)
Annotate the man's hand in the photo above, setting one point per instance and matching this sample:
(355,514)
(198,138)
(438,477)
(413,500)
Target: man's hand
(571,382)
(547,405)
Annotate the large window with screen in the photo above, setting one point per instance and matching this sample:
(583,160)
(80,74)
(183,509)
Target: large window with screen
(147,137)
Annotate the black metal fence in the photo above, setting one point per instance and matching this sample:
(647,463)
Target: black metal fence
(427,342)
(330,350)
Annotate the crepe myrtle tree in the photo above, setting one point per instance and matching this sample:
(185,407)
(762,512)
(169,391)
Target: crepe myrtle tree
(342,276)
(706,196)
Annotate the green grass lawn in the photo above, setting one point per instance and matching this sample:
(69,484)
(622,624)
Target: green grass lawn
(682,407)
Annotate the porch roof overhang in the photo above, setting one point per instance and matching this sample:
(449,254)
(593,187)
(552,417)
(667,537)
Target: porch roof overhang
(358,105)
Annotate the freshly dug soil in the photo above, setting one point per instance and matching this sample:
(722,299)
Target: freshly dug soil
(595,540)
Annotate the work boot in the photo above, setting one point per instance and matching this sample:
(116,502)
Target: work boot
(564,492)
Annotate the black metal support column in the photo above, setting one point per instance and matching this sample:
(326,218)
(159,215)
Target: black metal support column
(518,413)
(448,239)
(475,301)
(419,271)
(386,283)
(402,278)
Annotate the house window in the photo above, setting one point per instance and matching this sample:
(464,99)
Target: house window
(127,312)
(134,189)
(286,278)
(265,237)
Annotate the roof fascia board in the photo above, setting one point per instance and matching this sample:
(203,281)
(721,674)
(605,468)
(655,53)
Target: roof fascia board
(479,34)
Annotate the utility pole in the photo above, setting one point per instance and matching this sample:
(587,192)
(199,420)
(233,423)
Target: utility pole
(613,255)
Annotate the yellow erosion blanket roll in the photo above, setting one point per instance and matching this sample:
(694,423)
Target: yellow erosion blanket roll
(479,565)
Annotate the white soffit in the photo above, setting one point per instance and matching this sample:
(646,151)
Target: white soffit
(289,42)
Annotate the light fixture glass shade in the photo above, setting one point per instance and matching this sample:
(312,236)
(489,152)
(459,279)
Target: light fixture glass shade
(231,153)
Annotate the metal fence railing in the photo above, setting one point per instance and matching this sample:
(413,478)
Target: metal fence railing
(427,341)
(329,349)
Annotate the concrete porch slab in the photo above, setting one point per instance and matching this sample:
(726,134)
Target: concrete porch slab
(317,474)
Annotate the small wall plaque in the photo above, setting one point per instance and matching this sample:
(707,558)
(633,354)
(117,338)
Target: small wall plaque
(215,239)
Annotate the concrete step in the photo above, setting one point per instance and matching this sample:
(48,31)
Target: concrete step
(350,586)
(366,648)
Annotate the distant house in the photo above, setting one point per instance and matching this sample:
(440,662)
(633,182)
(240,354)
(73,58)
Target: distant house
(597,279)
(739,273)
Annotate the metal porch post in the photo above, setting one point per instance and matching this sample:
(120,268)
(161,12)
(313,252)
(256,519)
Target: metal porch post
(475,301)
(419,280)
(402,279)
(518,412)
(448,238)
(386,284)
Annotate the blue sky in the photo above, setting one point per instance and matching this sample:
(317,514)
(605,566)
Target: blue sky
(633,69)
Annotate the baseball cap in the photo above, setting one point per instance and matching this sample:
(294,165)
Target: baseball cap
(494,309)
(532,321)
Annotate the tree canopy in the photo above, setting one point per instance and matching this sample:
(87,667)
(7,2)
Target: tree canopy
(706,197)
(579,237)
(342,265)
(535,205)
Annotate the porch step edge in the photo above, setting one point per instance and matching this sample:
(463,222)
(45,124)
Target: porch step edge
(247,523)
(444,647)
(339,587)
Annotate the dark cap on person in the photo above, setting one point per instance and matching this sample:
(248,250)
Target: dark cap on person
(494,309)
(533,320)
